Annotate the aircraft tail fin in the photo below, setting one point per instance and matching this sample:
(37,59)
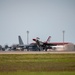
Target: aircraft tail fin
(20,40)
(48,40)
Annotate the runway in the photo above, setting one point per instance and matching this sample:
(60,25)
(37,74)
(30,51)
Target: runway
(37,52)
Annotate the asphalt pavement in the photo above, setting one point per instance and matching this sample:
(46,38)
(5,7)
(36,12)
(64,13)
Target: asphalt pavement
(37,52)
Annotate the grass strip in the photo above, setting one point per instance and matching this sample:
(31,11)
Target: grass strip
(37,73)
(37,62)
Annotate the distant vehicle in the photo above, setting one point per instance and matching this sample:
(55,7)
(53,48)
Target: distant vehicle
(46,45)
(2,48)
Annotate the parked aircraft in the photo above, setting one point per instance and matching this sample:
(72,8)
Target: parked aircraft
(31,47)
(21,44)
(15,47)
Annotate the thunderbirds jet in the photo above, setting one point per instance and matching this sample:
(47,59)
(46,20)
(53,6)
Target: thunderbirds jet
(47,45)
(43,45)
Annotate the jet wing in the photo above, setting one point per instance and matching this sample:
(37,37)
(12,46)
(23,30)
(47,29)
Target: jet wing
(49,44)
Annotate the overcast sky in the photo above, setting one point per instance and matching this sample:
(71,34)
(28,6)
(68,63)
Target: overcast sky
(41,18)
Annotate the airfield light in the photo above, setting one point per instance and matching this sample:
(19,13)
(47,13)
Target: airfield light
(63,36)
(27,37)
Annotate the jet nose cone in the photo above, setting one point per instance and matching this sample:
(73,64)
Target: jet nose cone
(34,39)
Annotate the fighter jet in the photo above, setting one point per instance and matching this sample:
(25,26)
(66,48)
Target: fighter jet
(30,47)
(46,45)
(43,45)
(21,45)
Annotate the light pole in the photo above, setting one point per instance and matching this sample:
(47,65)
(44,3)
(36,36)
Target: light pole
(27,37)
(63,36)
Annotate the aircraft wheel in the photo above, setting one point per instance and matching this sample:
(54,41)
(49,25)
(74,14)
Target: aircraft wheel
(45,49)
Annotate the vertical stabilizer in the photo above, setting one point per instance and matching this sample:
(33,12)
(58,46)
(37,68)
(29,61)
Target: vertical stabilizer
(20,41)
(48,40)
